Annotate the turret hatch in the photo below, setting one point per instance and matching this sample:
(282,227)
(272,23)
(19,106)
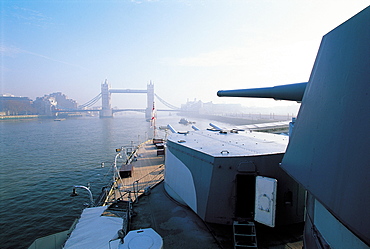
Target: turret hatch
(265,203)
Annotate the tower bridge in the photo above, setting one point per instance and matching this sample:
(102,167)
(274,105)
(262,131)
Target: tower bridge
(106,92)
(107,111)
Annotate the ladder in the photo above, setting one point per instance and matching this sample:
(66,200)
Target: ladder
(244,234)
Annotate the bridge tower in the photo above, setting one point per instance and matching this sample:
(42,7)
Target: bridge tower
(106,111)
(150,101)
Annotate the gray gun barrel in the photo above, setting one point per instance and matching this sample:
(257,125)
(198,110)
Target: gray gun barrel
(171,128)
(216,127)
(284,92)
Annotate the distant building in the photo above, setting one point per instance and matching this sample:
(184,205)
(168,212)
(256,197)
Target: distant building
(11,105)
(48,103)
(192,106)
(45,105)
(198,107)
(63,102)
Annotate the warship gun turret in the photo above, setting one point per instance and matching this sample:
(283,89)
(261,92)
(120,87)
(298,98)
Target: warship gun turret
(328,152)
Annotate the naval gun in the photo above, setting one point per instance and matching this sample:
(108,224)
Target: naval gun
(293,92)
(328,152)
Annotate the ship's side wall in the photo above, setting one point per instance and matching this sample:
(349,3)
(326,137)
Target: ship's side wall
(179,179)
(188,168)
(322,229)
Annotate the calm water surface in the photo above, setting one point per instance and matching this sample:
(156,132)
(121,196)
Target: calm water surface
(42,159)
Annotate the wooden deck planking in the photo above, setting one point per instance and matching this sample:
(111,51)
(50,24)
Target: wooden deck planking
(147,170)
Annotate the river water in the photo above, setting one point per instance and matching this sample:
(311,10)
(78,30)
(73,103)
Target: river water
(42,159)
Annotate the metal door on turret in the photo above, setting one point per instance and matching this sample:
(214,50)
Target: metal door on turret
(245,191)
(265,202)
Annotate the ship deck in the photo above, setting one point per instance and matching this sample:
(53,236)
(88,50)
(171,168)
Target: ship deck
(177,224)
(147,171)
(180,227)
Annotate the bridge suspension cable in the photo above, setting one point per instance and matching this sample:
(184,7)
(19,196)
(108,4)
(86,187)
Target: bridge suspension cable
(91,102)
(166,103)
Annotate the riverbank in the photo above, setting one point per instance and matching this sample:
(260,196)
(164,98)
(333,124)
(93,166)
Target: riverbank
(19,117)
(242,119)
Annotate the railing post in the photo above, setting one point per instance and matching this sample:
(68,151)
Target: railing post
(88,190)
(135,187)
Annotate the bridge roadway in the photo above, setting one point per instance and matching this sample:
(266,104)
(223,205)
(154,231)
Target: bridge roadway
(127,91)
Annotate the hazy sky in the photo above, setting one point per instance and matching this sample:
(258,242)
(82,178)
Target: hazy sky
(188,49)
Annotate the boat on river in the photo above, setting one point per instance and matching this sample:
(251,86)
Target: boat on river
(184,121)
